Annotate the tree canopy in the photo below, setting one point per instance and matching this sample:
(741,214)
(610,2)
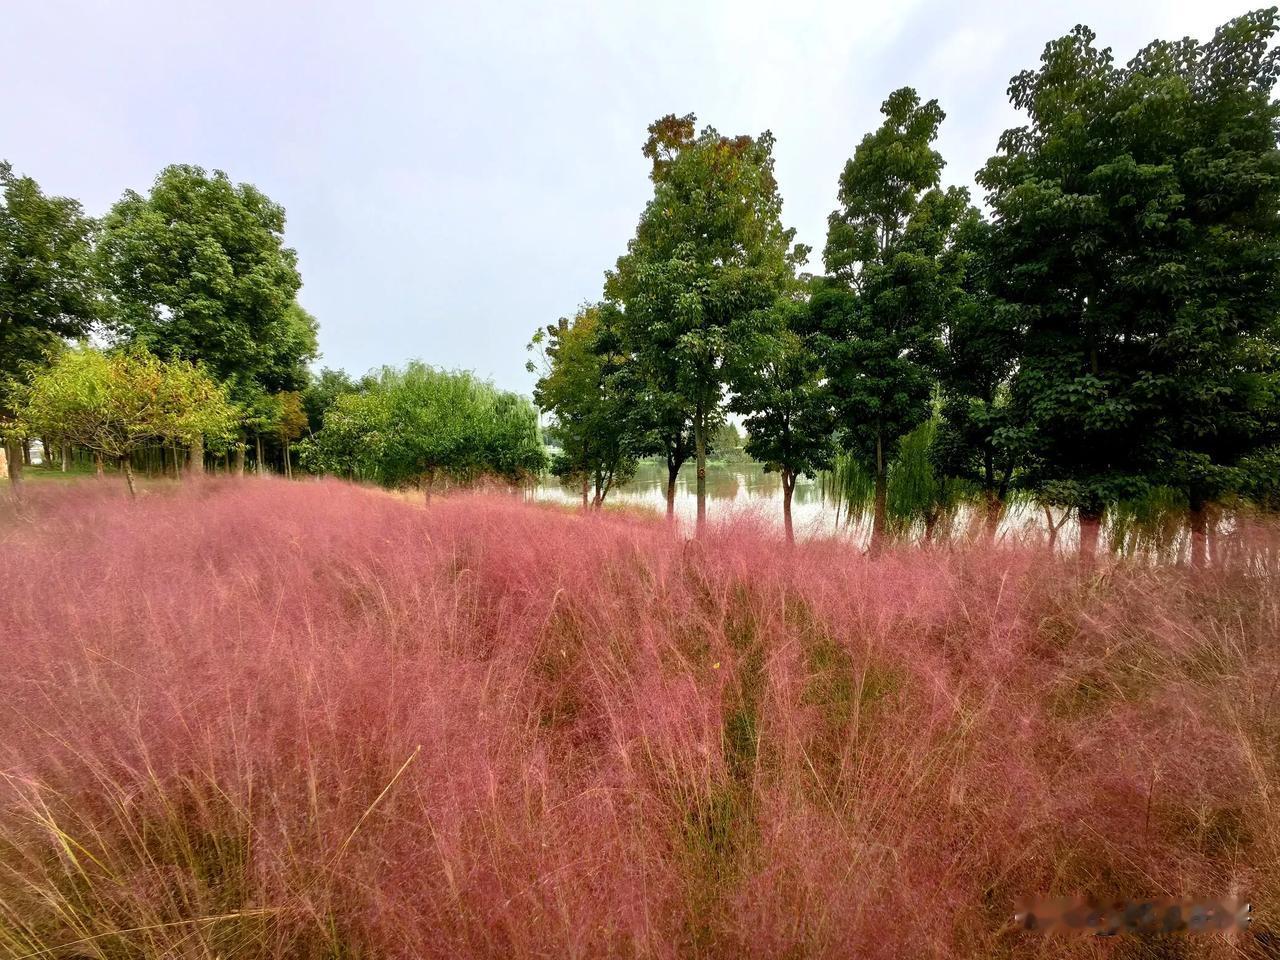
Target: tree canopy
(781,394)
(1137,232)
(596,423)
(198,269)
(417,426)
(114,402)
(47,285)
(878,316)
(47,288)
(709,259)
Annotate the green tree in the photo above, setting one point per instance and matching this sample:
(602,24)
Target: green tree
(321,391)
(973,442)
(114,403)
(290,425)
(786,408)
(419,426)
(198,270)
(1139,236)
(891,282)
(918,489)
(709,259)
(47,285)
(594,416)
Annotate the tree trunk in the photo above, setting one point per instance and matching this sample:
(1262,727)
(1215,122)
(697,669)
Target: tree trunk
(788,487)
(177,461)
(195,463)
(930,524)
(98,467)
(994,510)
(673,472)
(47,447)
(1211,534)
(880,517)
(4,462)
(700,451)
(127,466)
(26,453)
(1199,531)
(586,490)
(288,461)
(16,462)
(65,456)
(240,459)
(1090,524)
(257,464)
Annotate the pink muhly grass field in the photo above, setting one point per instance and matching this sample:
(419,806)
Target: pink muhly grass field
(272,719)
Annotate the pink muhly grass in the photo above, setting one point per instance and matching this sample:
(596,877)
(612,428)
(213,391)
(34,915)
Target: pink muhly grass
(265,719)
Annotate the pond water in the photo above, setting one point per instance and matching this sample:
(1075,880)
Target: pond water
(733,490)
(744,489)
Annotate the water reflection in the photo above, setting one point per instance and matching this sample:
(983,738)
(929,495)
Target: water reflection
(743,490)
(733,489)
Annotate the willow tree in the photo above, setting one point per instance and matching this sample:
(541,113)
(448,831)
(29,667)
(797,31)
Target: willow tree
(709,259)
(878,315)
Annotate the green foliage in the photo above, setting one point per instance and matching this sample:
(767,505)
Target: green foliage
(893,169)
(322,391)
(727,438)
(974,439)
(198,270)
(878,318)
(292,420)
(917,490)
(596,424)
(709,259)
(852,485)
(113,403)
(418,425)
(781,396)
(1139,239)
(259,411)
(47,285)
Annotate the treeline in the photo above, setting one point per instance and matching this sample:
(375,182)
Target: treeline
(207,355)
(1108,331)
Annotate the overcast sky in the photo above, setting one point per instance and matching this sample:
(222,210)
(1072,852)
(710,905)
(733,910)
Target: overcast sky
(457,175)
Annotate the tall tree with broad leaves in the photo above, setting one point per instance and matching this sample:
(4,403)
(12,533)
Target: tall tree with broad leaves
(974,440)
(320,393)
(891,280)
(198,270)
(1138,218)
(779,390)
(48,289)
(595,422)
(709,259)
